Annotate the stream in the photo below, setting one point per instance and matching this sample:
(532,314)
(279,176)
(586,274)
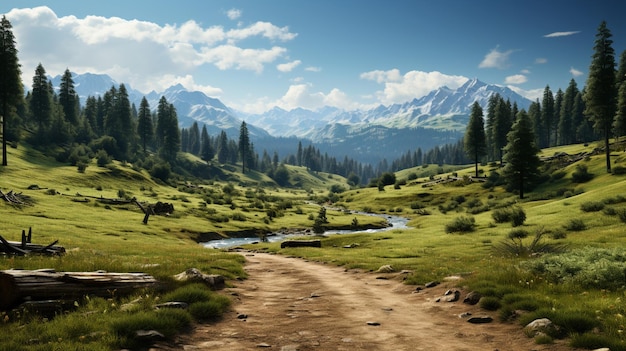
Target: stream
(395,222)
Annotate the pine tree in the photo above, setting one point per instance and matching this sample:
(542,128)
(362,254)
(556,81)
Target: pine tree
(223,153)
(501,126)
(600,94)
(206,149)
(194,139)
(41,102)
(68,98)
(620,117)
(534,113)
(171,135)
(145,127)
(567,130)
(547,117)
(244,146)
(475,140)
(11,90)
(522,162)
(558,106)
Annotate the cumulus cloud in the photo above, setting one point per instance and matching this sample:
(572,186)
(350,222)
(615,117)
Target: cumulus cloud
(496,59)
(561,34)
(233,14)
(145,53)
(289,66)
(313,69)
(541,60)
(515,79)
(413,84)
(575,72)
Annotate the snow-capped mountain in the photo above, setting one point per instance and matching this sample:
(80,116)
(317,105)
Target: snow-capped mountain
(367,135)
(444,108)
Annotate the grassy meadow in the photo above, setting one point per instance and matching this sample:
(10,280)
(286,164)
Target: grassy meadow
(565,261)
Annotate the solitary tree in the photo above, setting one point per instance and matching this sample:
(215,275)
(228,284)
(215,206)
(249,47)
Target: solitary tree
(600,94)
(68,98)
(475,141)
(244,146)
(522,162)
(40,102)
(10,82)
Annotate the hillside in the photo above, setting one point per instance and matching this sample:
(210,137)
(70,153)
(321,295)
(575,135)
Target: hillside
(584,218)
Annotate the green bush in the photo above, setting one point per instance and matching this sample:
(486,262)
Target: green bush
(575,225)
(490,303)
(463,224)
(581,174)
(514,214)
(189,294)
(592,206)
(618,170)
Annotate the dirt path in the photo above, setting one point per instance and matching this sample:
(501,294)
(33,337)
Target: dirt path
(290,304)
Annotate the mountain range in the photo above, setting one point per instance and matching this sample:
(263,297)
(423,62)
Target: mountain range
(365,135)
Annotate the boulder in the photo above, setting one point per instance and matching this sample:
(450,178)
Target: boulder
(214,281)
(472,298)
(541,325)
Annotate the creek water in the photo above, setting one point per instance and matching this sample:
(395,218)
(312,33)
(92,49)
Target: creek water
(395,222)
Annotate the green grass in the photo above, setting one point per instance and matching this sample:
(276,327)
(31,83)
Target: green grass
(112,238)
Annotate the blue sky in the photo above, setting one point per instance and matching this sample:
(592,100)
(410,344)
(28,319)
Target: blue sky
(254,55)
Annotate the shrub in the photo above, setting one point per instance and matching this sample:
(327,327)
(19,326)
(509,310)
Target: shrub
(161,171)
(592,206)
(515,246)
(618,170)
(102,158)
(501,215)
(490,303)
(575,225)
(461,224)
(581,174)
(515,215)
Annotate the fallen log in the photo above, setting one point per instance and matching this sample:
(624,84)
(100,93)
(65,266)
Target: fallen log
(300,243)
(25,247)
(17,286)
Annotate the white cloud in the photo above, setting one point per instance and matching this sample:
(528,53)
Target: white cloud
(233,14)
(413,84)
(541,60)
(289,66)
(188,82)
(515,79)
(313,69)
(496,59)
(561,34)
(136,52)
(525,71)
(532,94)
(575,72)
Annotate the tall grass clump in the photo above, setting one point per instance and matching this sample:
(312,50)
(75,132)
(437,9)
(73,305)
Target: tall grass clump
(513,214)
(516,246)
(167,321)
(461,224)
(581,174)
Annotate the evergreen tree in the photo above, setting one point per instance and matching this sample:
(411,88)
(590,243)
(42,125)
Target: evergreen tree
(244,146)
(558,106)
(223,154)
(118,121)
(522,162)
(475,140)
(194,139)
(41,103)
(600,94)
(161,121)
(491,117)
(171,135)
(145,127)
(534,113)
(299,154)
(547,117)
(68,98)
(620,117)
(502,125)
(11,90)
(206,149)
(567,130)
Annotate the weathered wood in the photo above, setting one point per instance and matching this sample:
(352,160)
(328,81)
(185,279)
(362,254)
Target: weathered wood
(17,286)
(25,247)
(300,243)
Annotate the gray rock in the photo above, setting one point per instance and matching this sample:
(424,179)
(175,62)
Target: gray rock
(263,345)
(452,296)
(472,298)
(541,325)
(480,320)
(173,304)
(386,269)
(375,324)
(432,284)
(214,281)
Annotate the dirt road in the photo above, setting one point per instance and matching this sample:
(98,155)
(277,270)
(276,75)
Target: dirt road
(290,304)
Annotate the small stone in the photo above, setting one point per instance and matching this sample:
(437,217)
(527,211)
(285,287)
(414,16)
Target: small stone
(373,324)
(242,316)
(453,296)
(480,320)
(263,345)
(386,269)
(173,304)
(432,284)
(465,315)
(314,295)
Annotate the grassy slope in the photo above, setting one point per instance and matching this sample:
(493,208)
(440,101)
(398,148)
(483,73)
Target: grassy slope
(114,239)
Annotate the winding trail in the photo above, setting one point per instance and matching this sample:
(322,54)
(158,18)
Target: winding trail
(290,304)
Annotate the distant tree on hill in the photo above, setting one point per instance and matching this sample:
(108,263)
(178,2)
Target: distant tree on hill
(206,149)
(11,90)
(567,130)
(244,146)
(547,117)
(145,127)
(600,94)
(475,141)
(41,103)
(68,98)
(522,163)
(223,153)
(620,117)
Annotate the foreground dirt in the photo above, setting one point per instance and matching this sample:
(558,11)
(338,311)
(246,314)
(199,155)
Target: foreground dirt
(290,304)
